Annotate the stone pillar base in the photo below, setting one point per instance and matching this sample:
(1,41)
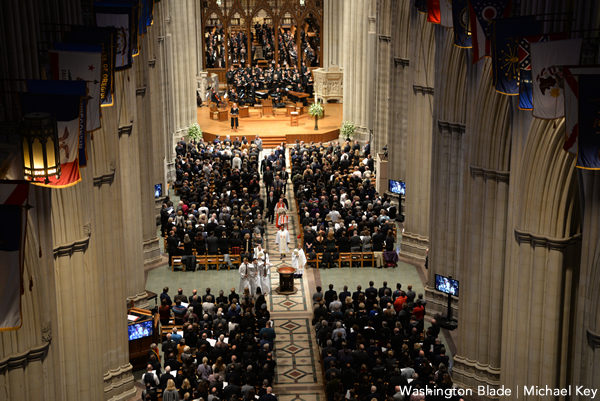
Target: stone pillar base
(151,251)
(119,384)
(437,302)
(202,84)
(471,374)
(414,247)
(329,84)
(139,301)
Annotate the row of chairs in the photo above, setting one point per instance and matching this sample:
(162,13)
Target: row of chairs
(350,259)
(206,261)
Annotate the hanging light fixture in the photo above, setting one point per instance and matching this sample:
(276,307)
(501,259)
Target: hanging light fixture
(41,156)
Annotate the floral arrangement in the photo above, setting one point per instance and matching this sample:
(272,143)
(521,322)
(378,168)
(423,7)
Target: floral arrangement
(347,130)
(315,109)
(194,132)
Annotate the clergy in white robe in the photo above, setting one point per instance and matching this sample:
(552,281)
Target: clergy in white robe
(244,277)
(253,279)
(298,260)
(282,238)
(264,271)
(260,256)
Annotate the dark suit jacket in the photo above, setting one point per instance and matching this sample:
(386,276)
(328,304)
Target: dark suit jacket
(213,245)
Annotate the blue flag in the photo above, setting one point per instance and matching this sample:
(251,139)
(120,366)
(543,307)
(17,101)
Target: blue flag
(460,20)
(505,51)
(421,5)
(145,15)
(588,142)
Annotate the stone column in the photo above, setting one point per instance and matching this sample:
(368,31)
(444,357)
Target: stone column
(415,238)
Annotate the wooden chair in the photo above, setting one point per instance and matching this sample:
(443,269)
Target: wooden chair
(300,108)
(368,257)
(356,259)
(176,261)
(345,257)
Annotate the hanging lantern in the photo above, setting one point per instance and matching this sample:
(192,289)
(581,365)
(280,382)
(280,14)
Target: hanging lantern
(41,156)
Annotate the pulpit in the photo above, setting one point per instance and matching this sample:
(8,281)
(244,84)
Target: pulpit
(294,119)
(267,105)
(244,111)
(222,115)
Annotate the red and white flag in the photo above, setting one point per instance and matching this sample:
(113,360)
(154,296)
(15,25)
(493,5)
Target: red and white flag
(547,60)
(13,197)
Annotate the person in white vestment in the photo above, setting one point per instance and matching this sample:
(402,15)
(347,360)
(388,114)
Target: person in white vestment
(298,260)
(282,238)
(244,277)
(261,258)
(253,279)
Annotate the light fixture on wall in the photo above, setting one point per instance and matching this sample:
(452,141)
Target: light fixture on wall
(302,3)
(39,137)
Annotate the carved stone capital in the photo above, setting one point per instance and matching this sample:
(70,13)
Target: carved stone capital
(20,361)
(545,241)
(125,130)
(79,245)
(490,174)
(426,90)
(47,332)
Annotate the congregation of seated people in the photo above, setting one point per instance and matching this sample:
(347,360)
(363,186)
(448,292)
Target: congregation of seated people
(219,348)
(338,207)
(374,345)
(220,209)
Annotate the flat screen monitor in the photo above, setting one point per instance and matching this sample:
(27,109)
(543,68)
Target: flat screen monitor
(446,285)
(140,330)
(398,187)
(158,190)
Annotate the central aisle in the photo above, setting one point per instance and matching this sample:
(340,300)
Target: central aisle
(298,374)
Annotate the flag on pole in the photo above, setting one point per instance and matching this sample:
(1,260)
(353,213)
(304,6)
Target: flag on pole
(446,13)
(481,15)
(588,141)
(74,62)
(571,85)
(146,16)
(13,198)
(505,51)
(65,100)
(547,59)
(460,21)
(525,80)
(433,11)
(120,16)
(107,38)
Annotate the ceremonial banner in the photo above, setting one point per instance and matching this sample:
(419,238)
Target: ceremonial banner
(433,11)
(421,5)
(460,21)
(547,59)
(73,62)
(588,142)
(145,15)
(119,16)
(525,80)
(13,197)
(481,15)
(446,13)
(505,51)
(107,38)
(65,100)
(571,85)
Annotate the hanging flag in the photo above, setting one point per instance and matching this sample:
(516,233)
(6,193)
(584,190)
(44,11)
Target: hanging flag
(145,15)
(433,11)
(547,59)
(481,15)
(460,21)
(74,62)
(120,16)
(107,38)
(588,141)
(446,13)
(13,214)
(571,85)
(421,6)
(505,51)
(65,100)
(525,81)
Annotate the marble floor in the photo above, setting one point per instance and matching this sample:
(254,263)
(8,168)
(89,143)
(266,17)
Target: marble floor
(298,374)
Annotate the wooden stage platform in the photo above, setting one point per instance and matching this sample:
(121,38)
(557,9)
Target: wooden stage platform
(275,129)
